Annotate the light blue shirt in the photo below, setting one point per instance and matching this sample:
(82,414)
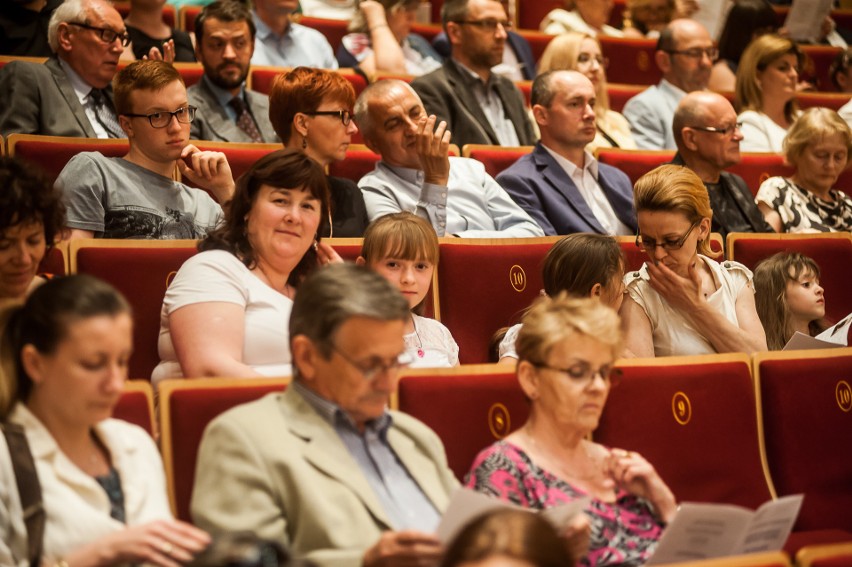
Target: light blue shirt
(298,46)
(651,113)
(471,205)
(401,497)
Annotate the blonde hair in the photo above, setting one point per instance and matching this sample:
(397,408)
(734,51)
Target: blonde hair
(561,55)
(400,235)
(759,54)
(629,21)
(674,188)
(810,127)
(553,320)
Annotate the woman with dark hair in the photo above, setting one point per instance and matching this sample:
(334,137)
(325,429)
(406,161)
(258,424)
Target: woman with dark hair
(226,311)
(746,21)
(311,109)
(100,481)
(32,218)
(647,18)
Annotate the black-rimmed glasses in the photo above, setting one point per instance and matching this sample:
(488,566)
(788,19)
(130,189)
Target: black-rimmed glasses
(583,374)
(161,119)
(344,115)
(487,25)
(726,131)
(107,35)
(696,53)
(403,360)
(668,245)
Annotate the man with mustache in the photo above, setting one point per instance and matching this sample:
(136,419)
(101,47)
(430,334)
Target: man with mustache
(227,110)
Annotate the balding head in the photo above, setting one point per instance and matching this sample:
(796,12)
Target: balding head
(564,109)
(704,130)
(685,54)
(388,113)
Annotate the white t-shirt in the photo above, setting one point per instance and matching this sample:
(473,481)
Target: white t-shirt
(431,344)
(218,276)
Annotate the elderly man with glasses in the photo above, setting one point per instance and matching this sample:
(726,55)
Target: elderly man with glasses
(324,468)
(685,54)
(70,94)
(136,196)
(478,106)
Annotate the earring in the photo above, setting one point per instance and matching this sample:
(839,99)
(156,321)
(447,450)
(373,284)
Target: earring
(305,141)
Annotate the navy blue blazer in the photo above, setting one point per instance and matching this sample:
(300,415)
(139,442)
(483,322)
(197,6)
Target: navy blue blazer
(519,45)
(541,187)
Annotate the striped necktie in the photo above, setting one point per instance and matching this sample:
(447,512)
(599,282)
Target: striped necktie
(245,120)
(105,114)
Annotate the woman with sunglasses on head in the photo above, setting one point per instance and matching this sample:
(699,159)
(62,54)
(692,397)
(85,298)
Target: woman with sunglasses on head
(682,302)
(566,351)
(310,110)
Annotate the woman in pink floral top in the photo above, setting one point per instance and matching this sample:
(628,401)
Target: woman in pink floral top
(566,349)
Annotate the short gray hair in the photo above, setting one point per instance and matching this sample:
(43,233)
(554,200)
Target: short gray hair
(453,11)
(333,295)
(362,104)
(69,11)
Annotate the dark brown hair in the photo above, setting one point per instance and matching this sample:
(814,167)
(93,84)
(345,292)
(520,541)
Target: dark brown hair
(28,196)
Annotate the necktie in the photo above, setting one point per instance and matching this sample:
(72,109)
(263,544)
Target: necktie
(104,113)
(245,120)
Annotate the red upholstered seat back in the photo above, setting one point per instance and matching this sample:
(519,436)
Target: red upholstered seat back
(635,163)
(619,94)
(359,162)
(240,156)
(757,168)
(486,284)
(333,30)
(142,273)
(632,60)
(495,158)
(806,402)
(136,405)
(836,555)
(694,419)
(469,408)
(261,78)
(818,59)
(186,16)
(53,262)
(832,100)
(538,41)
(832,252)
(428,31)
(530,14)
(51,153)
(185,410)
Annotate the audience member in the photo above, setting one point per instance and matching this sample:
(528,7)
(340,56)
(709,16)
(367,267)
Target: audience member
(32,218)
(560,184)
(98,491)
(788,297)
(685,54)
(135,196)
(70,94)
(581,265)
(508,537)
(227,110)
(817,146)
(151,37)
(311,110)
(765,95)
(403,248)
(478,106)
(840,71)
(224,313)
(566,350)
(708,142)
(746,21)
(416,173)
(329,9)
(647,18)
(378,480)
(23,27)
(382,41)
(579,52)
(585,16)
(681,302)
(281,42)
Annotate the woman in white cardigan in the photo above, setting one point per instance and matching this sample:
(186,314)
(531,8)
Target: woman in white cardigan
(65,354)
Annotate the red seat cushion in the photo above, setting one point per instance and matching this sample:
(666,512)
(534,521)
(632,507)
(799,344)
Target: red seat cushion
(632,60)
(133,406)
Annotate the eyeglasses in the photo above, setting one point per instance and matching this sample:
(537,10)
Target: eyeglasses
(107,35)
(184,115)
(696,53)
(668,245)
(374,369)
(344,115)
(487,25)
(582,374)
(726,131)
(587,58)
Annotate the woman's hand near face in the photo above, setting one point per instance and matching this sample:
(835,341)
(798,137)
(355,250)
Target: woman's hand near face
(208,170)
(632,473)
(681,293)
(327,255)
(167,54)
(374,13)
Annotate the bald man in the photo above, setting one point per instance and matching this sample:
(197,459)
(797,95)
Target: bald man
(685,54)
(708,139)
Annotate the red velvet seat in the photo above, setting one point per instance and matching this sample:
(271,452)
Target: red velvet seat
(261,78)
(190,72)
(805,399)
(831,251)
(141,270)
(428,31)
(333,30)
(241,156)
(694,419)
(495,158)
(530,14)
(186,16)
(360,160)
(837,555)
(186,407)
(136,405)
(538,41)
(631,60)
(635,163)
(52,153)
(619,94)
(469,407)
(169,16)
(55,261)
(485,284)
(832,100)
(818,59)
(526,90)
(757,168)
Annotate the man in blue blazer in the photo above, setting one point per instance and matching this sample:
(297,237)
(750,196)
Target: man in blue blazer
(560,184)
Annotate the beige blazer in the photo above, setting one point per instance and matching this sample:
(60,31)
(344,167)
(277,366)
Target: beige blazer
(77,507)
(275,467)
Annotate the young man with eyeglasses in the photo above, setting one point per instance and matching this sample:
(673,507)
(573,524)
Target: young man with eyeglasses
(708,139)
(135,196)
(685,55)
(324,468)
(70,94)
(478,106)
